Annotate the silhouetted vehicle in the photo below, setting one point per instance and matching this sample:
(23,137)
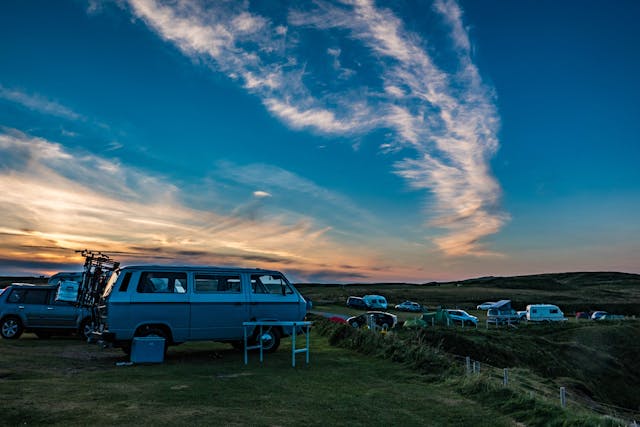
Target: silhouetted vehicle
(380,318)
(356,302)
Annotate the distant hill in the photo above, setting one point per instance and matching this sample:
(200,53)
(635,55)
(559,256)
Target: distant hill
(7,280)
(550,281)
(532,281)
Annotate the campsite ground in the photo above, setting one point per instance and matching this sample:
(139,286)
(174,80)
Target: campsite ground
(352,379)
(67,382)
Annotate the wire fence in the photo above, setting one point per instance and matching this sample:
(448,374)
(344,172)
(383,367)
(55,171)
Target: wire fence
(545,389)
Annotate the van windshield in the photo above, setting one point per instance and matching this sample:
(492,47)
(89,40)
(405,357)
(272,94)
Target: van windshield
(110,283)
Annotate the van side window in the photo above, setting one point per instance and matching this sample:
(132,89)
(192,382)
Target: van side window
(125,282)
(269,284)
(162,282)
(553,311)
(218,283)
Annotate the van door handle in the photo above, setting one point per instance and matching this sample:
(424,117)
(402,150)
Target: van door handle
(49,308)
(21,307)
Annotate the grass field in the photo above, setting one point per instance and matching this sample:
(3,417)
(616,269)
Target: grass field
(68,382)
(355,378)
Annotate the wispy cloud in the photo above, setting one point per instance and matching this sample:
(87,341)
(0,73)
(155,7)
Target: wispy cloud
(445,115)
(56,201)
(298,194)
(38,103)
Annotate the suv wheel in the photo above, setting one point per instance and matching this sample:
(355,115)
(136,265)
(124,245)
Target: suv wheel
(11,328)
(86,328)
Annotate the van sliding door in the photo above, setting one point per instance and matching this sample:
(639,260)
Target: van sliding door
(161,298)
(218,306)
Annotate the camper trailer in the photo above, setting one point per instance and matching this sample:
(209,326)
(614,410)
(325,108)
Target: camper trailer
(375,301)
(544,313)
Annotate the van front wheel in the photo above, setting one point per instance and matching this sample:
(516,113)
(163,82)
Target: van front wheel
(270,340)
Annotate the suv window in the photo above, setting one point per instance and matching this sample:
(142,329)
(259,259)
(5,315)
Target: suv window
(162,282)
(36,296)
(17,296)
(218,283)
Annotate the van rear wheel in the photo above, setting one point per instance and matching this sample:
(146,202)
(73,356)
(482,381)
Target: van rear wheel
(150,331)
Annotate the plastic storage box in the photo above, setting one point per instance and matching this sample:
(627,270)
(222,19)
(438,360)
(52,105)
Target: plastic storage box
(147,350)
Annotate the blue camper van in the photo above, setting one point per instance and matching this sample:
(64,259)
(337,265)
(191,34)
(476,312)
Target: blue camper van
(183,304)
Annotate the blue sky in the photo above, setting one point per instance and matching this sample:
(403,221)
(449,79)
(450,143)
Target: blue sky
(336,141)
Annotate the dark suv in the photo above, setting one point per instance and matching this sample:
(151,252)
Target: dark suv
(31,308)
(357,302)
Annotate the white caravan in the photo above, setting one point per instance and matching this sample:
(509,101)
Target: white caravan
(544,313)
(375,301)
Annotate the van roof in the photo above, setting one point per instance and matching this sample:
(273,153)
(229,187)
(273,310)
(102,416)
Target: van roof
(542,305)
(501,303)
(195,268)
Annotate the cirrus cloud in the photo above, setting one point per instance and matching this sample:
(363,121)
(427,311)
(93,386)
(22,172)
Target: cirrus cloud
(444,116)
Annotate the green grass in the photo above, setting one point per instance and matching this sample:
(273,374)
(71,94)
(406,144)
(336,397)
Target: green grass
(67,382)
(354,378)
(417,351)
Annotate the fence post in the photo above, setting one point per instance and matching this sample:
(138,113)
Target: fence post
(505,379)
(468,363)
(476,367)
(433,322)
(563,397)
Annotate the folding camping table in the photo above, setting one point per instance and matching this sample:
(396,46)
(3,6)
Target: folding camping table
(304,325)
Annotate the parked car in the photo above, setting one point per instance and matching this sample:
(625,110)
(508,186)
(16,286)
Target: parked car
(182,303)
(610,316)
(356,302)
(485,305)
(380,318)
(375,301)
(30,308)
(462,317)
(502,313)
(409,306)
(582,315)
(544,313)
(596,315)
